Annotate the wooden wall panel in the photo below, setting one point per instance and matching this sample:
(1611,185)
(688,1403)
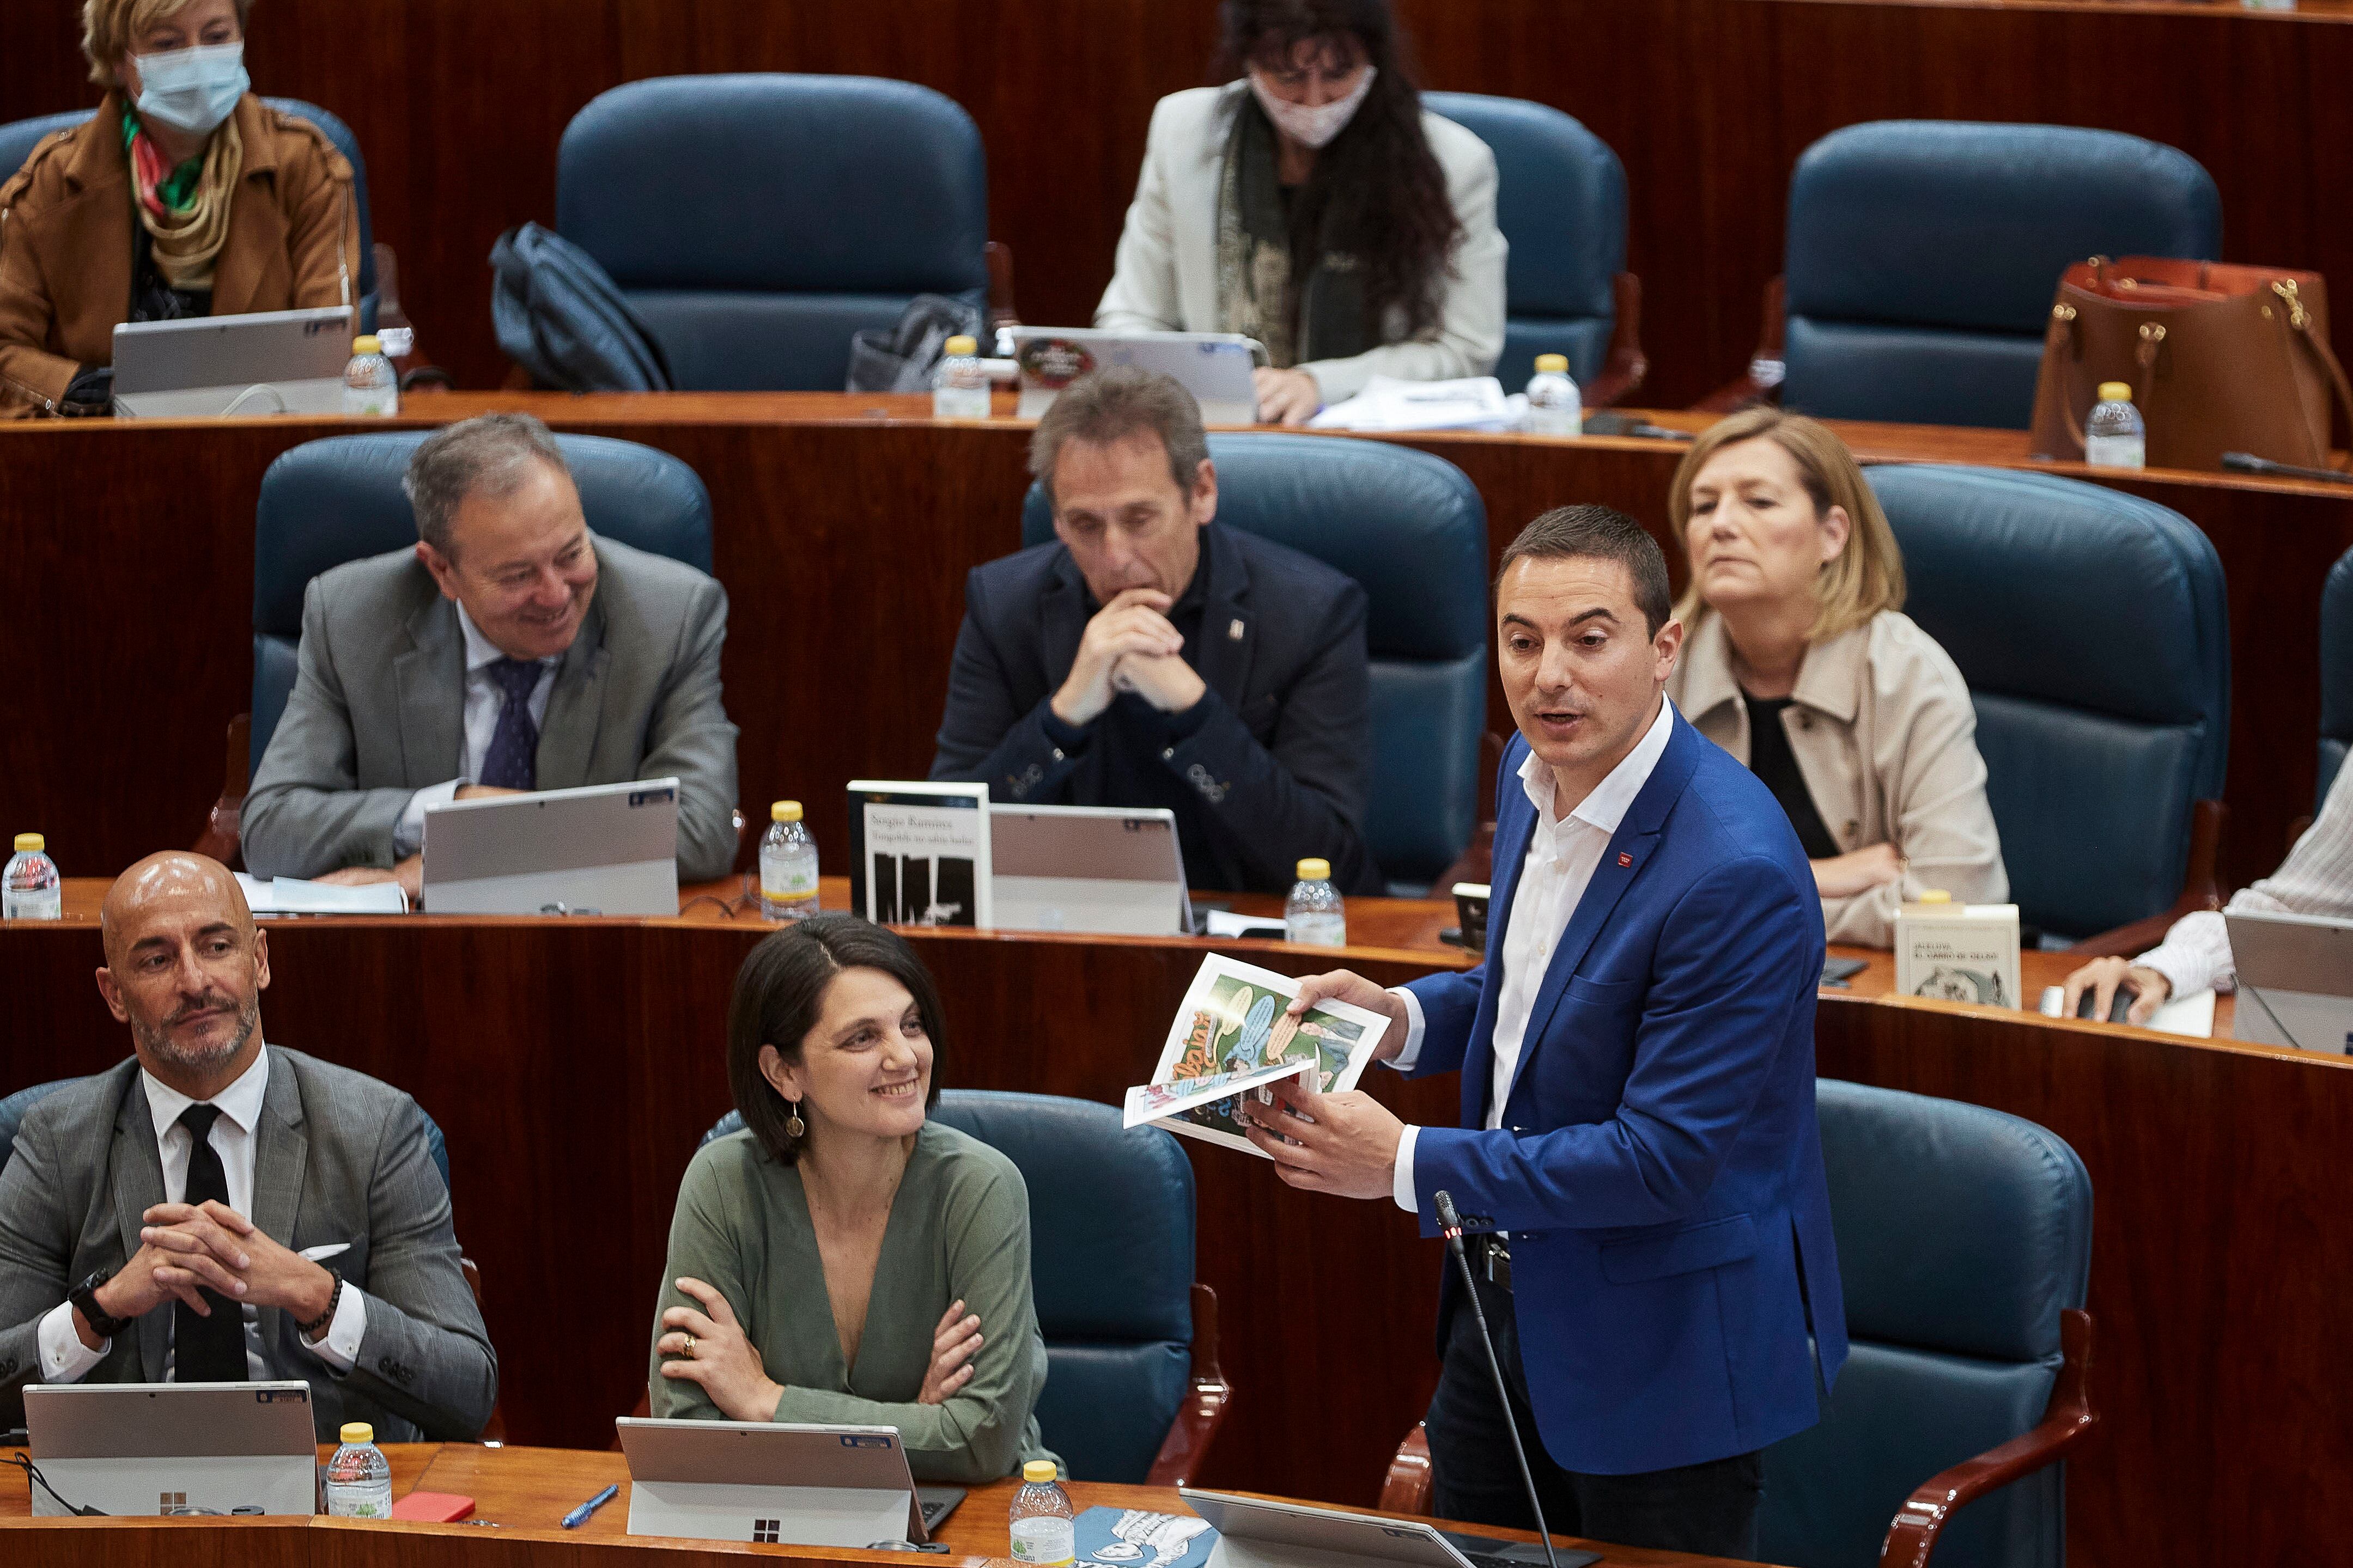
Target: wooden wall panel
(1708,103)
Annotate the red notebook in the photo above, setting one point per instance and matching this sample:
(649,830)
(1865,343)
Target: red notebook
(433,1508)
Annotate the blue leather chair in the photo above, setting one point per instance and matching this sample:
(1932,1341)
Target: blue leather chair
(327,502)
(18,141)
(2092,630)
(755,222)
(1923,256)
(1560,200)
(1965,1247)
(1411,530)
(13,1110)
(1133,1390)
(2336,673)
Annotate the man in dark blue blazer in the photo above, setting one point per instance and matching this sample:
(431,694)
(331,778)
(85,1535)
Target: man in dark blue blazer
(1151,657)
(1638,1148)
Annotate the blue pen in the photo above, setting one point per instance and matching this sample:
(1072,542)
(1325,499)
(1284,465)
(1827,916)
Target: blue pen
(579,1516)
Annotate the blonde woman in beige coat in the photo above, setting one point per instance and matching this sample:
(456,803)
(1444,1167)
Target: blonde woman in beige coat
(1799,661)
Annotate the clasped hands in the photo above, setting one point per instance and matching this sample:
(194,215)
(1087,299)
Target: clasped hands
(1344,1143)
(1129,645)
(184,1250)
(710,1347)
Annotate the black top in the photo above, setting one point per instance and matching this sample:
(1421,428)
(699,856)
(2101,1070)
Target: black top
(1770,759)
(152,298)
(1274,763)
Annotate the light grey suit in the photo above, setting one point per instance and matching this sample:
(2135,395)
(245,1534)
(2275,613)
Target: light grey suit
(340,1158)
(378,711)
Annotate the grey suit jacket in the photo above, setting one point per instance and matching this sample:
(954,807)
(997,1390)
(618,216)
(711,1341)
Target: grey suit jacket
(342,1158)
(378,711)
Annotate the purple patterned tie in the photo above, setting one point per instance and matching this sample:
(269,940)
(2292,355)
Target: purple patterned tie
(512,761)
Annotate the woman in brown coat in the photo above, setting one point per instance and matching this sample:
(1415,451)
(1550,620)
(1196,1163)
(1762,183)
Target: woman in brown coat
(184,196)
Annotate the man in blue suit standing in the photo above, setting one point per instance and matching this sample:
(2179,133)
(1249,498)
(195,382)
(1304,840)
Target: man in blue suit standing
(1638,1147)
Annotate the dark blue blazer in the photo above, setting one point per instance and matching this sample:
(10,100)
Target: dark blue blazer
(1658,1167)
(1275,761)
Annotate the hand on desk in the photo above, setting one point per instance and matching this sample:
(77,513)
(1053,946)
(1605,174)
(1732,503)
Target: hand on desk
(408,873)
(711,1348)
(1857,870)
(1285,396)
(2103,975)
(1342,1143)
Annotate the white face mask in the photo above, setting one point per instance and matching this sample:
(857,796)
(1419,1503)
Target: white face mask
(192,89)
(1312,125)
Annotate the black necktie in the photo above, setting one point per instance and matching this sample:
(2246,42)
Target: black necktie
(206,1350)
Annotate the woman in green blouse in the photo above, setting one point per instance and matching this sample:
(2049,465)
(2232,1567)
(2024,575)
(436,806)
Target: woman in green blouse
(843,1259)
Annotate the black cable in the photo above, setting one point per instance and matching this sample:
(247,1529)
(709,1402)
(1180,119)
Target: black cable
(33,1471)
(1450,1223)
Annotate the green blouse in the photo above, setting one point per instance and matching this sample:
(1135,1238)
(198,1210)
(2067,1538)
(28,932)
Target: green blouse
(959,1228)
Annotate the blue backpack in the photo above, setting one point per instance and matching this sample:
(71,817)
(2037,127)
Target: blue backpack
(561,318)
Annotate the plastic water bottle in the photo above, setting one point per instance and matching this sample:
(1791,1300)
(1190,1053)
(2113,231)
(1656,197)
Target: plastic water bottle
(788,866)
(2114,436)
(1555,408)
(359,1480)
(31,889)
(1312,916)
(1045,1528)
(960,386)
(371,389)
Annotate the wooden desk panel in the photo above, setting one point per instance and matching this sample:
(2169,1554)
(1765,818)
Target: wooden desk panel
(845,526)
(2218,1236)
(1707,102)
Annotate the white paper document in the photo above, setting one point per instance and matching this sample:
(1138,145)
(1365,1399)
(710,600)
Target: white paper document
(293,896)
(1472,403)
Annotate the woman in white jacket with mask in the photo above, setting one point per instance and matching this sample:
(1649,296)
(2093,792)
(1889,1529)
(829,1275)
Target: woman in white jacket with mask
(1313,205)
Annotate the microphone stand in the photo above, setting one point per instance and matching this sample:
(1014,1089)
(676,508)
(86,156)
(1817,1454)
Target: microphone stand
(1450,1224)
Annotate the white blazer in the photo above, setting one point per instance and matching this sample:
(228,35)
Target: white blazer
(1166,277)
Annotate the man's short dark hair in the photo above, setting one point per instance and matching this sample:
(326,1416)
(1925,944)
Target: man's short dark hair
(1598,534)
(1113,404)
(489,455)
(780,995)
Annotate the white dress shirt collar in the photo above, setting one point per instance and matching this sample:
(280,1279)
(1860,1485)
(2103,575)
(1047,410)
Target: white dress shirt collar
(480,651)
(1607,804)
(240,1102)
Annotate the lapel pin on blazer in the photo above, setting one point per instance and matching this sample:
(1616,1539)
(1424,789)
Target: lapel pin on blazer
(1624,858)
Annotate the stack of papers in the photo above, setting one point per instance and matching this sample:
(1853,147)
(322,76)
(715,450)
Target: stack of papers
(293,896)
(1474,403)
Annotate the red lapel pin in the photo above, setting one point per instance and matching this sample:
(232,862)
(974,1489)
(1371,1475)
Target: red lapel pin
(1624,858)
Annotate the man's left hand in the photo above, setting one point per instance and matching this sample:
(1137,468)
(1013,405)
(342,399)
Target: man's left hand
(1347,1144)
(272,1275)
(409,874)
(1168,683)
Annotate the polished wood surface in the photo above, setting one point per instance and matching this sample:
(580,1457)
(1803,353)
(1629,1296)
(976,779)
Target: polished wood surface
(520,1496)
(844,528)
(2218,1233)
(1707,102)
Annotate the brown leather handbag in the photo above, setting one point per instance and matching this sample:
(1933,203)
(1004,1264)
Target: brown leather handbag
(2221,359)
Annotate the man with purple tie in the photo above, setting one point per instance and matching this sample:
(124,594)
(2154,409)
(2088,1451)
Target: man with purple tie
(512,649)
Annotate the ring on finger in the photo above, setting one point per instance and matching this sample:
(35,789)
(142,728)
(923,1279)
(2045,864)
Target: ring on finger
(688,1348)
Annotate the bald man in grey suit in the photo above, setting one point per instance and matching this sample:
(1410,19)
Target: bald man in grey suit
(510,649)
(219,1209)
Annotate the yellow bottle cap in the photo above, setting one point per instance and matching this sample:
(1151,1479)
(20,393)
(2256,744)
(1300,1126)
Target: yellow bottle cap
(1036,1469)
(1315,870)
(960,344)
(1935,896)
(1557,364)
(358,1432)
(784,811)
(27,843)
(2115,391)
(370,344)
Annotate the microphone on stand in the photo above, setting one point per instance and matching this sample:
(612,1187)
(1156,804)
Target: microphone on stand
(1450,1224)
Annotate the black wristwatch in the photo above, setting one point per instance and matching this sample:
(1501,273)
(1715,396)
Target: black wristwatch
(84,1298)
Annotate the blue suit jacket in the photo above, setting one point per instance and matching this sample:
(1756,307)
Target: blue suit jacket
(1658,1166)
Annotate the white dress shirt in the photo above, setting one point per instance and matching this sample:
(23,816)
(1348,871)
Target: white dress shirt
(64,1359)
(2316,879)
(483,700)
(1563,853)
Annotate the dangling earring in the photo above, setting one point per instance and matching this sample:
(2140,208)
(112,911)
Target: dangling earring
(794,1126)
